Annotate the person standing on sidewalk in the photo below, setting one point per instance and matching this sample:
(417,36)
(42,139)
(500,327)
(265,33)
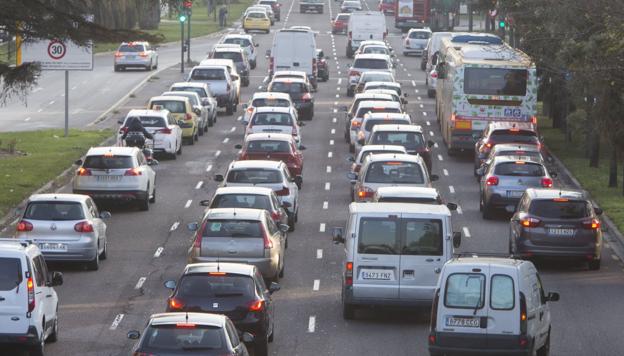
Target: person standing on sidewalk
(222,14)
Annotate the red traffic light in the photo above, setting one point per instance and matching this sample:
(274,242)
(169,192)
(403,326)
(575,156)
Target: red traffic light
(187,4)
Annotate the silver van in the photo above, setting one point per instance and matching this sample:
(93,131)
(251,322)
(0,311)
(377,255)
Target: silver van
(394,253)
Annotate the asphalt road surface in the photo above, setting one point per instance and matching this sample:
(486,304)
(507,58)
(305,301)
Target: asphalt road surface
(147,248)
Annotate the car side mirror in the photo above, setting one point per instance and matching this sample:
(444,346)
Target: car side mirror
(457,239)
(430,143)
(343,108)
(181,123)
(302,147)
(244,106)
(78,162)
(360,142)
(301,123)
(434,177)
(105,215)
(284,228)
(120,121)
(598,211)
(337,235)
(194,226)
(205,101)
(351,159)
(234,76)
(510,209)
(218,178)
(552,297)
(451,206)
(256,45)
(56,279)
(238,146)
(247,338)
(274,287)
(553,174)
(405,95)
(152,162)
(480,171)
(204,202)
(286,204)
(170,284)
(134,334)
(352,176)
(299,181)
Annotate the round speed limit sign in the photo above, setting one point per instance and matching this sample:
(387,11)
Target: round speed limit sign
(56,49)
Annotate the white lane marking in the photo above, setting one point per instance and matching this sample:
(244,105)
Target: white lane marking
(339,73)
(74,87)
(338,95)
(333,131)
(140,283)
(312,324)
(445,172)
(209,168)
(428,123)
(40,110)
(421,106)
(451,189)
(459,210)
(334,120)
(325,205)
(331,142)
(335,110)
(335,102)
(424,113)
(435,144)
(329,169)
(226,140)
(440,158)
(327,185)
(319,254)
(413,83)
(218,153)
(188,204)
(233,129)
(158,252)
(431,133)
(199,184)
(51,102)
(466,232)
(38,89)
(408,74)
(317,285)
(259,87)
(339,81)
(416,90)
(615,257)
(418,97)
(322,227)
(338,90)
(330,154)
(27,119)
(239,118)
(116,321)
(175,225)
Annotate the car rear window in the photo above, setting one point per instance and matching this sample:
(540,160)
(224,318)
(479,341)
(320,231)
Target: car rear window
(396,89)
(272,118)
(378,236)
(370,63)
(408,200)
(409,140)
(342,18)
(281,103)
(465,290)
(174,106)
(215,286)
(420,35)
(151,121)
(232,228)
(502,292)
(235,56)
(254,176)
(519,169)
(368,126)
(256,15)
(184,339)
(208,74)
(422,237)
(131,48)
(291,88)
(368,153)
(268,146)
(243,42)
(251,201)
(108,162)
(535,154)
(189,96)
(394,173)
(377,77)
(375,50)
(57,211)
(560,209)
(362,111)
(10,273)
(509,136)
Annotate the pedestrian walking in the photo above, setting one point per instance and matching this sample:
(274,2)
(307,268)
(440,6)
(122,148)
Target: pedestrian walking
(222,12)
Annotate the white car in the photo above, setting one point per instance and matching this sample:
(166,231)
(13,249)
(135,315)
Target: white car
(28,301)
(263,98)
(269,174)
(365,63)
(270,119)
(135,55)
(116,173)
(246,42)
(162,125)
(415,41)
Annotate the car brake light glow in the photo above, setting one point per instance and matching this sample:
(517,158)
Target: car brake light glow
(434,75)
(493,180)
(268,244)
(530,222)
(175,304)
(118,54)
(83,171)
(83,226)
(166,130)
(133,172)
(185,325)
(534,120)
(547,182)
(355,124)
(24,225)
(561,199)
(276,216)
(354,73)
(30,287)
(217,273)
(282,192)
(256,306)
(349,273)
(306,97)
(523,314)
(592,224)
(365,192)
(143,54)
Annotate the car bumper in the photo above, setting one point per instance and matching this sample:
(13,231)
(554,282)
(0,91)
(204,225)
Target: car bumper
(526,248)
(477,344)
(257,26)
(29,338)
(266,266)
(75,252)
(305,7)
(223,100)
(384,302)
(137,63)
(164,146)
(417,51)
(295,170)
(495,200)
(464,140)
(127,195)
(304,107)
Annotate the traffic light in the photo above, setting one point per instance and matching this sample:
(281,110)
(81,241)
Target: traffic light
(501,23)
(182,17)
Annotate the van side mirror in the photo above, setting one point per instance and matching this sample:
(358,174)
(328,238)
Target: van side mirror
(337,235)
(238,146)
(204,202)
(284,228)
(120,121)
(351,159)
(194,226)
(274,287)
(456,239)
(286,204)
(352,176)
(105,215)
(553,174)
(451,206)
(256,45)
(218,178)
(360,142)
(78,162)
(430,143)
(480,171)
(170,284)
(134,334)
(552,297)
(434,177)
(56,279)
(299,181)
(510,209)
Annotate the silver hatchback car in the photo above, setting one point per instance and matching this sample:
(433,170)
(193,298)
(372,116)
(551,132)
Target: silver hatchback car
(135,55)
(66,227)
(242,236)
(505,179)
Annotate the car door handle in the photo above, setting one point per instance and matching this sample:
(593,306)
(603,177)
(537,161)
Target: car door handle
(48,295)
(408,272)
(541,315)
(429,260)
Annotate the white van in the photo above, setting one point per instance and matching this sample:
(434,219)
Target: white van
(394,253)
(365,25)
(294,50)
(490,305)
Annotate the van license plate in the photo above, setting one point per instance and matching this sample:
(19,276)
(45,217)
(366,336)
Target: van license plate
(379,275)
(463,322)
(561,232)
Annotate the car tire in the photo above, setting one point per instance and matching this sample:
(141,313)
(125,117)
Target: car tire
(253,65)
(153,198)
(156,66)
(423,66)
(545,349)
(117,69)
(210,123)
(593,265)
(144,204)
(261,346)
(246,30)
(431,93)
(228,109)
(486,212)
(104,254)
(196,136)
(348,311)
(351,148)
(179,151)
(272,336)
(405,54)
(291,222)
(281,272)
(94,264)
(349,92)
(53,337)
(39,349)
(148,67)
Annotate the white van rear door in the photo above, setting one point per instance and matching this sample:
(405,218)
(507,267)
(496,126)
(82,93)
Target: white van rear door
(13,296)
(422,257)
(376,260)
(294,51)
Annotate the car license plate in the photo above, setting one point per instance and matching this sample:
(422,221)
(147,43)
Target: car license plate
(377,274)
(464,322)
(52,247)
(514,193)
(561,232)
(130,57)
(106,178)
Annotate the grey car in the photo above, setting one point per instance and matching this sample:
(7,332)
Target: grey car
(239,56)
(66,227)
(205,94)
(504,181)
(221,84)
(241,236)
(556,223)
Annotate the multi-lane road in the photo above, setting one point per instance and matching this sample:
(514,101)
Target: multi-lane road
(147,248)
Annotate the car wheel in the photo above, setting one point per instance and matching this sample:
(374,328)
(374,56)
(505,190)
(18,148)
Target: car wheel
(272,336)
(291,222)
(267,31)
(179,151)
(202,130)
(348,311)
(545,349)
(486,212)
(211,122)
(116,68)
(144,204)
(281,272)
(53,337)
(229,109)
(261,346)
(148,67)
(246,31)
(253,65)
(351,148)
(156,66)
(104,254)
(38,350)
(196,136)
(349,92)
(423,66)
(594,265)
(94,264)
(153,198)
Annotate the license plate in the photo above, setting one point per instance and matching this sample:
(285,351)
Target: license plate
(271,130)
(130,57)
(464,322)
(514,193)
(52,247)
(463,125)
(111,178)
(561,232)
(379,275)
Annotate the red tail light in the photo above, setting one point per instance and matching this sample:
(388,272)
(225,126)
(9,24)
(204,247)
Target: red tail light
(493,180)
(349,274)
(530,222)
(306,97)
(250,109)
(268,244)
(355,124)
(592,224)
(133,172)
(24,226)
(276,216)
(365,193)
(83,171)
(175,304)
(198,236)
(166,130)
(547,182)
(188,116)
(123,130)
(30,287)
(523,315)
(118,54)
(83,226)
(354,73)
(434,316)
(284,191)
(143,54)
(256,306)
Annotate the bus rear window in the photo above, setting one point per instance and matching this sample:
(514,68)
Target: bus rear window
(495,81)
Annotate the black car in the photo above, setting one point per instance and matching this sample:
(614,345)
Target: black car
(300,93)
(233,289)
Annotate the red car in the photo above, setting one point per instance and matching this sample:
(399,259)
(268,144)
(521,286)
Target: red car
(386,6)
(340,23)
(273,147)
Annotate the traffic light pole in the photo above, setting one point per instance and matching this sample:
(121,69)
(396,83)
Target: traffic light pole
(188,38)
(181,47)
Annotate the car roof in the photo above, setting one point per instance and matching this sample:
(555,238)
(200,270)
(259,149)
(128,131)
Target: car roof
(207,319)
(289,80)
(270,94)
(373,42)
(290,72)
(425,29)
(214,63)
(230,48)
(515,158)
(376,72)
(398,127)
(115,150)
(383,147)
(515,146)
(235,214)
(408,192)
(485,261)
(398,208)
(505,125)
(386,115)
(343,14)
(255,163)
(391,84)
(240,35)
(402,157)
(243,190)
(179,93)
(279,109)
(189,84)
(371,56)
(378,103)
(77,198)
(143,112)
(225,45)
(172,98)
(131,43)
(262,136)
(545,193)
(10,247)
(205,267)
(367,96)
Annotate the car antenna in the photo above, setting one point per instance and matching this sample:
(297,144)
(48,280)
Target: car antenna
(186,317)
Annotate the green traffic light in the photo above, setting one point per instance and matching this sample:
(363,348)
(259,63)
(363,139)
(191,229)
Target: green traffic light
(182,18)
(501,24)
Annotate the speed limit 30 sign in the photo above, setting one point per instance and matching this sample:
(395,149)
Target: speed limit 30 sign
(56,49)
(54,54)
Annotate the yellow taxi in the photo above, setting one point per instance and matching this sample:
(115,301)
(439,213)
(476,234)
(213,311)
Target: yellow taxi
(257,20)
(181,109)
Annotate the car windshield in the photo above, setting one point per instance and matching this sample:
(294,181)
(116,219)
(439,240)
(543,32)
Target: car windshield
(362,111)
(174,106)
(465,290)
(215,286)
(377,77)
(235,56)
(243,42)
(395,172)
(410,140)
(251,201)
(272,118)
(351,4)
(256,15)
(519,169)
(384,86)
(172,338)
(510,136)
(368,126)
(370,63)
(108,162)
(420,35)
(342,18)
(56,210)
(130,48)
(10,273)
(232,228)
(286,87)
(199,91)
(192,98)
(208,74)
(255,176)
(150,121)
(268,146)
(280,103)
(560,209)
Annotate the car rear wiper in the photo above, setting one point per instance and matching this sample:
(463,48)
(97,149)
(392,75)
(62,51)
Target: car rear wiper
(477,306)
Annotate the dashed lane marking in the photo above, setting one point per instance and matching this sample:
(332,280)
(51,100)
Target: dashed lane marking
(329,169)
(199,184)
(209,168)
(440,158)
(233,129)
(158,252)
(226,140)
(459,210)
(120,317)
(331,142)
(466,232)
(334,120)
(175,225)
(322,227)
(451,189)
(413,83)
(140,283)
(317,285)
(333,131)
(319,254)
(325,205)
(431,133)
(445,172)
(312,324)
(330,154)
(435,144)
(218,153)
(327,185)
(188,204)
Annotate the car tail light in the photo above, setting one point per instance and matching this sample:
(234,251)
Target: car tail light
(250,109)
(361,135)
(493,180)
(354,73)
(123,130)
(534,120)
(523,314)
(284,191)
(133,172)
(355,124)
(294,131)
(256,306)
(314,65)
(83,171)
(30,287)
(365,193)
(276,216)
(268,244)
(175,304)
(118,54)
(306,97)
(349,274)
(407,42)
(166,130)
(592,224)
(143,54)
(24,226)
(530,222)
(188,116)
(83,226)
(547,182)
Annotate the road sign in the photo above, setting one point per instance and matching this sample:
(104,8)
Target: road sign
(57,55)
(56,50)
(187,4)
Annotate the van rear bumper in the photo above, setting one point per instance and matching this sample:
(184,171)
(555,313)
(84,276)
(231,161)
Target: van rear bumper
(31,337)
(477,344)
(385,302)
